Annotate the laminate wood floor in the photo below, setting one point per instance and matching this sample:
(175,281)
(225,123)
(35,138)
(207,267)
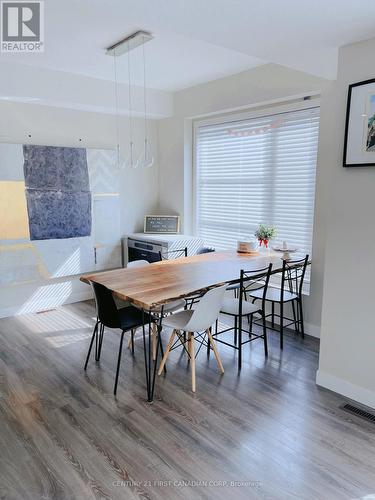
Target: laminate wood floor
(268,433)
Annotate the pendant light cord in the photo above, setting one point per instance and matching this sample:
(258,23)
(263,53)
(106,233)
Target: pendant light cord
(117,111)
(130,110)
(144,98)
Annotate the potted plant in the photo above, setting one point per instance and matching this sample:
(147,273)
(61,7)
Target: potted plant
(264,234)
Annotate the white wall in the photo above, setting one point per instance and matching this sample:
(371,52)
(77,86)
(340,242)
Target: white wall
(344,233)
(347,339)
(266,83)
(33,84)
(63,127)
(262,85)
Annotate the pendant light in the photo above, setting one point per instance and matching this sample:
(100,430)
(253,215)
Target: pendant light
(124,46)
(146,159)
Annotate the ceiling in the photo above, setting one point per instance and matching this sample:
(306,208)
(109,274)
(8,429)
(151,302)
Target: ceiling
(199,40)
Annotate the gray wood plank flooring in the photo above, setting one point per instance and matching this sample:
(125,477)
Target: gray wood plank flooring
(266,433)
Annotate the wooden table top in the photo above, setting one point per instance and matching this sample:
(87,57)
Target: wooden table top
(162,282)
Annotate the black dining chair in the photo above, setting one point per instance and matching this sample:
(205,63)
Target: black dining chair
(240,308)
(292,278)
(203,250)
(195,297)
(173,254)
(126,319)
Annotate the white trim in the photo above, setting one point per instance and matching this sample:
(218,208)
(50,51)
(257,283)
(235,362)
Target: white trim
(194,180)
(74,297)
(314,95)
(312,330)
(189,195)
(263,112)
(345,388)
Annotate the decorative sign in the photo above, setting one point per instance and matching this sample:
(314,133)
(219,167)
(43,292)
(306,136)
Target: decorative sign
(168,224)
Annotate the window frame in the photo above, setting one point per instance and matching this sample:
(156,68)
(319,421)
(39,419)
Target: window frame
(227,118)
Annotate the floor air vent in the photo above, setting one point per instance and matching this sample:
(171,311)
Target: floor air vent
(354,410)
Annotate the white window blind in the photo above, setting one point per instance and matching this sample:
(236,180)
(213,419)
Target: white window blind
(257,170)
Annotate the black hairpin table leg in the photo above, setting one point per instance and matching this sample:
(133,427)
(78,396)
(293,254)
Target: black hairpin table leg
(150,365)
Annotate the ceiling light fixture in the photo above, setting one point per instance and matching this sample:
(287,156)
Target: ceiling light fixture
(125,46)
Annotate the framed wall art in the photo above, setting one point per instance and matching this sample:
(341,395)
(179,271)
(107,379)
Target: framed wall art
(359,144)
(59,212)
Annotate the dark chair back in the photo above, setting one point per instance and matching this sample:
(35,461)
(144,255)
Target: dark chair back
(173,254)
(106,309)
(293,275)
(254,280)
(202,250)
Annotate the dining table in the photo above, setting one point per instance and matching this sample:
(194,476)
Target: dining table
(152,286)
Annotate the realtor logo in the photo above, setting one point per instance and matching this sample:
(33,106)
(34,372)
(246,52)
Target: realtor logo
(22,26)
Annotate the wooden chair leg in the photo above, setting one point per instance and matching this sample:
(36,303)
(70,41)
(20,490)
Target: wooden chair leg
(154,340)
(170,343)
(132,337)
(216,352)
(131,340)
(192,359)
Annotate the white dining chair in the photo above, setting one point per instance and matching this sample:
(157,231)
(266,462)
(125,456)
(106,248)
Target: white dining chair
(137,263)
(167,309)
(198,320)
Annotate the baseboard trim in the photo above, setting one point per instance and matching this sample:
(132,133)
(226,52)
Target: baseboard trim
(345,388)
(312,330)
(74,297)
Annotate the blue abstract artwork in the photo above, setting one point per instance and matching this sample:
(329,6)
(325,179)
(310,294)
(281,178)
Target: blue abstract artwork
(57,192)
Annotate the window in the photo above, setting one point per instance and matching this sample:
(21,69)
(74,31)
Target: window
(256,170)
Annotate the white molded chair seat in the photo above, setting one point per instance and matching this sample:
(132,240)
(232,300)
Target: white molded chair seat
(175,305)
(254,286)
(232,306)
(234,286)
(137,263)
(274,295)
(179,320)
(200,319)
